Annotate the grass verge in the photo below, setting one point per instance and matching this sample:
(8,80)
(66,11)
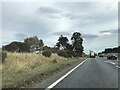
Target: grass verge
(26,69)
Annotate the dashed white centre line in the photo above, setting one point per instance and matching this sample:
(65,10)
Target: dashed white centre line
(56,82)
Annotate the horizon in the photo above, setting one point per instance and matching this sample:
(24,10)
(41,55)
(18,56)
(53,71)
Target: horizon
(54,45)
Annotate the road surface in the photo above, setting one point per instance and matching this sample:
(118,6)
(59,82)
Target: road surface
(94,73)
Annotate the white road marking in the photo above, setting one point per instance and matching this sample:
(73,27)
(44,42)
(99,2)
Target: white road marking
(117,66)
(56,82)
(112,63)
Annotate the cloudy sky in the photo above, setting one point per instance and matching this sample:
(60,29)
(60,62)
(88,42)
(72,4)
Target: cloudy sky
(96,21)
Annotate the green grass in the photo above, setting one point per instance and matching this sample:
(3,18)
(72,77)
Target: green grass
(28,69)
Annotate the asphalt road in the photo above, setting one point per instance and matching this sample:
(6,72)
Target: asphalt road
(94,73)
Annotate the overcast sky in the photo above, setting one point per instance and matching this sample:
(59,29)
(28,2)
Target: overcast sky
(96,21)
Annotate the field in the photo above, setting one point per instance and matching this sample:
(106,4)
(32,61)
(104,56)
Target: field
(26,69)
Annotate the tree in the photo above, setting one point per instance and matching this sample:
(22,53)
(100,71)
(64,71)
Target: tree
(12,47)
(23,47)
(77,43)
(41,44)
(16,47)
(57,45)
(63,53)
(46,48)
(69,47)
(34,43)
(108,50)
(47,53)
(62,41)
(112,50)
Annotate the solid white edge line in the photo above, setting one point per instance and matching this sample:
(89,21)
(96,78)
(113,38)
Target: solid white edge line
(60,79)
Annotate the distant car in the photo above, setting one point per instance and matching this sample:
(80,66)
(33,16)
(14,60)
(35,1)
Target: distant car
(101,56)
(112,57)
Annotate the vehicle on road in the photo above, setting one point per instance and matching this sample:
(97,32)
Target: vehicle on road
(92,54)
(112,57)
(101,55)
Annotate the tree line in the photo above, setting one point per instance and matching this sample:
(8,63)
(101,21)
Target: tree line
(111,50)
(63,46)
(30,44)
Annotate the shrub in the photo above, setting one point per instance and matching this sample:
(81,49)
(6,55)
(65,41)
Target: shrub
(76,54)
(54,61)
(3,56)
(63,53)
(70,53)
(66,53)
(47,53)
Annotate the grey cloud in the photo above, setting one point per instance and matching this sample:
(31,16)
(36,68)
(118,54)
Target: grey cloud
(76,6)
(70,15)
(49,10)
(64,15)
(89,36)
(40,27)
(105,31)
(30,25)
(94,12)
(20,36)
(57,13)
(62,33)
(109,31)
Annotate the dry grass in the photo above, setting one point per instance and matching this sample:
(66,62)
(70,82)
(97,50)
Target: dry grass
(21,67)
(26,61)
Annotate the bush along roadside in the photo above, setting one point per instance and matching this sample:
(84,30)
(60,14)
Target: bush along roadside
(3,56)
(63,53)
(47,53)
(68,54)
